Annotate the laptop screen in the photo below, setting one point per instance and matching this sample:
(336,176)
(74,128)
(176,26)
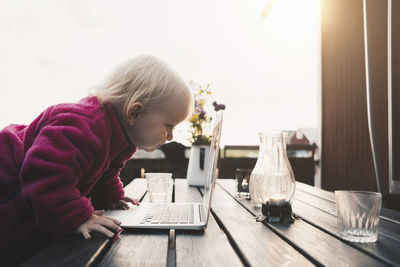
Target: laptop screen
(212,166)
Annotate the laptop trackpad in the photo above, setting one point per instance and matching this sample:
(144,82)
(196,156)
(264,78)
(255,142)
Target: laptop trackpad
(129,216)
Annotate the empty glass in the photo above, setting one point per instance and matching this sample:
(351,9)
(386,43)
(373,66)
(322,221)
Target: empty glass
(242,179)
(358,215)
(158,185)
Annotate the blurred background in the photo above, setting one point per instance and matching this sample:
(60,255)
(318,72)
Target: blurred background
(293,65)
(265,69)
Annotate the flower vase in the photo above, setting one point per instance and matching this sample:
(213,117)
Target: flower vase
(198,165)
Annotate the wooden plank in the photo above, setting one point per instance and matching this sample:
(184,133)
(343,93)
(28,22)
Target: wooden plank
(387,226)
(137,247)
(383,249)
(68,251)
(315,191)
(259,245)
(387,214)
(316,243)
(73,250)
(201,248)
(322,213)
(311,203)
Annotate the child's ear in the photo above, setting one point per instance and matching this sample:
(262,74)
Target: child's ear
(134,112)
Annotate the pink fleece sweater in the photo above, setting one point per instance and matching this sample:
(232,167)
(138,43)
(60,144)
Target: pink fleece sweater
(53,171)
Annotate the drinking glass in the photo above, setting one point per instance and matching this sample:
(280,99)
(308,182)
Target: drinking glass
(358,215)
(158,184)
(242,179)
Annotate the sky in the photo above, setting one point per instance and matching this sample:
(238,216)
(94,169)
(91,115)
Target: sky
(266,70)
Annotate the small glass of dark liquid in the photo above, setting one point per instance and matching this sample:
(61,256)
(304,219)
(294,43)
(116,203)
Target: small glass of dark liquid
(242,179)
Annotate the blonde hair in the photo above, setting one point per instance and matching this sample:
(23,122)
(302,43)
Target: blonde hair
(144,79)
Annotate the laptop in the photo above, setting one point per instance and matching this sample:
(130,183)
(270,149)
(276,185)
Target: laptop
(188,216)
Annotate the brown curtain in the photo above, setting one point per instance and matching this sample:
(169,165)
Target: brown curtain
(346,157)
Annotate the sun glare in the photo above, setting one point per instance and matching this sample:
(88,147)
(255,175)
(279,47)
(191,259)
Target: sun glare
(292,15)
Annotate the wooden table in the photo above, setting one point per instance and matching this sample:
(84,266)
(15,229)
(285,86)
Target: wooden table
(233,237)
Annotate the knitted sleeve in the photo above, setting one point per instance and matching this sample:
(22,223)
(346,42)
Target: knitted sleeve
(61,154)
(109,189)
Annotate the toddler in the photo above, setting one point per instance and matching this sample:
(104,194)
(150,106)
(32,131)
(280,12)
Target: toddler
(59,173)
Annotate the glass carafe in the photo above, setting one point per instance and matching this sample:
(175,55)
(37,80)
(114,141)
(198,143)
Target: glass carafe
(272,179)
(255,175)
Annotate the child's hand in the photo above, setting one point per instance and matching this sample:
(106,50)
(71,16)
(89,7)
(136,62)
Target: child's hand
(99,223)
(123,203)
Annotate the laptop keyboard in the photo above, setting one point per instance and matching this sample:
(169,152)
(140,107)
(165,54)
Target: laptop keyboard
(169,214)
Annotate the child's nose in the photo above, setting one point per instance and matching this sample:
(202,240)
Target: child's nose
(170,135)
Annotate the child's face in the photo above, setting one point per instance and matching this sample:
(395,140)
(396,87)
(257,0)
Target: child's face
(154,127)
